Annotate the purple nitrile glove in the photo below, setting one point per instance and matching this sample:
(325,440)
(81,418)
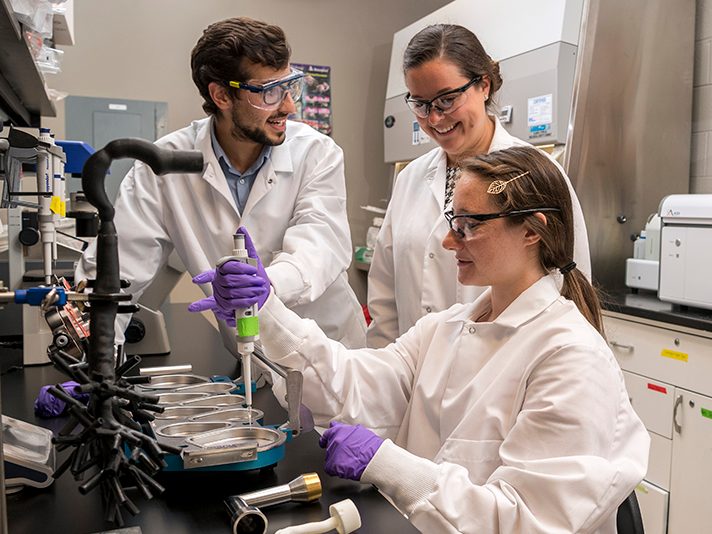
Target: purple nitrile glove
(47,405)
(235,285)
(209,303)
(349,449)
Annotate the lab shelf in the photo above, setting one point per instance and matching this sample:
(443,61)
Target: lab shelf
(23,94)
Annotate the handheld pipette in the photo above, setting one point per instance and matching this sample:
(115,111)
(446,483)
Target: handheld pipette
(247,327)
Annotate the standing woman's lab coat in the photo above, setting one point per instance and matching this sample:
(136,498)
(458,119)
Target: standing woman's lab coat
(411,274)
(519,425)
(295,213)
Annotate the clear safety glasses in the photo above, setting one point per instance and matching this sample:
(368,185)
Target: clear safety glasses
(465,224)
(272,94)
(444,103)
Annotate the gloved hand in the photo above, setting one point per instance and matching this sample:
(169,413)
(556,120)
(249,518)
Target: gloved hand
(47,405)
(235,285)
(349,449)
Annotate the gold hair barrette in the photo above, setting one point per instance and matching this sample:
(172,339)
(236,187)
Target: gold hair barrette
(498,186)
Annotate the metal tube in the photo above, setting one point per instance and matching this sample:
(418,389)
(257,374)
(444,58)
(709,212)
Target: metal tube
(245,519)
(304,488)
(166,370)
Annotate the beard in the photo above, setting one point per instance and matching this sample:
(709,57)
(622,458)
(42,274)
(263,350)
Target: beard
(243,131)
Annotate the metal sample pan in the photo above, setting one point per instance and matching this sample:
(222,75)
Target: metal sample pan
(183,412)
(233,415)
(174,381)
(233,401)
(212,388)
(174,397)
(247,437)
(189,429)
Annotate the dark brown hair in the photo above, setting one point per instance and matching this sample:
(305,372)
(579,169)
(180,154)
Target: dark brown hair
(458,45)
(221,52)
(543,186)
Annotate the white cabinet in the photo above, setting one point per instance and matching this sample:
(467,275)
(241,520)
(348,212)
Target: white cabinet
(668,375)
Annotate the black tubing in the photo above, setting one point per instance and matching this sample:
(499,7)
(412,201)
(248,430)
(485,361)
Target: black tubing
(160,160)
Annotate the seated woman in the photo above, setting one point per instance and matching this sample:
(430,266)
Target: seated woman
(508,414)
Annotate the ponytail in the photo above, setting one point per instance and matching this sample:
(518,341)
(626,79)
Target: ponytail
(578,289)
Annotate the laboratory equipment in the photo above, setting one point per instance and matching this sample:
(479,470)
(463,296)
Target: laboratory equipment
(247,326)
(29,455)
(111,447)
(344,519)
(246,517)
(685,251)
(207,419)
(642,270)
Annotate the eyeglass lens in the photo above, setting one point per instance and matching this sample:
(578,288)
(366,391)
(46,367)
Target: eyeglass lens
(274,96)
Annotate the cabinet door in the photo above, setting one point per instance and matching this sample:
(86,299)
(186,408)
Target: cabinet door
(691,476)
(653,503)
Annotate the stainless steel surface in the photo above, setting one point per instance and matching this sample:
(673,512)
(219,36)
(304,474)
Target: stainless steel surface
(629,138)
(245,519)
(236,437)
(545,71)
(174,381)
(166,370)
(173,397)
(233,415)
(189,429)
(294,381)
(211,388)
(304,488)
(182,412)
(218,400)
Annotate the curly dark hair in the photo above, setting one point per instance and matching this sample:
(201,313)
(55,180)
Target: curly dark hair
(221,53)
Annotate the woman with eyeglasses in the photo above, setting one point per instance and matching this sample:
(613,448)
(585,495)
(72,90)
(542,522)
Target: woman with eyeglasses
(452,83)
(507,414)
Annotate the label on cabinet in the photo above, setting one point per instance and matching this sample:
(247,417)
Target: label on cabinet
(675,355)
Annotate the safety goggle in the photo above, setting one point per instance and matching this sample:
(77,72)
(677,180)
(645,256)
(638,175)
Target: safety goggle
(465,224)
(444,103)
(272,94)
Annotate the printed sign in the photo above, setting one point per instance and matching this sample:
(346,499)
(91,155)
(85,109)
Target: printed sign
(314,108)
(540,115)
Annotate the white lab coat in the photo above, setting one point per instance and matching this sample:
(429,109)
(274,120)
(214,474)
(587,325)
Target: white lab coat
(411,274)
(295,213)
(518,425)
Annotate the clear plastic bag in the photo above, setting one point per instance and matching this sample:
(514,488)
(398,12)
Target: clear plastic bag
(35,15)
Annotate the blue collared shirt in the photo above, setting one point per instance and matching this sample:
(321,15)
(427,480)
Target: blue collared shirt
(240,183)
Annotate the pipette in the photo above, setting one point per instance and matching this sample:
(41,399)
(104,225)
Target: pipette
(247,327)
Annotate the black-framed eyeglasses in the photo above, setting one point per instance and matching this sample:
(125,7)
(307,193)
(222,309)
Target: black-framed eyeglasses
(271,95)
(444,103)
(463,225)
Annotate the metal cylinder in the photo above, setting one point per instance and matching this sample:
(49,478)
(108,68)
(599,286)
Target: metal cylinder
(304,488)
(166,370)
(244,518)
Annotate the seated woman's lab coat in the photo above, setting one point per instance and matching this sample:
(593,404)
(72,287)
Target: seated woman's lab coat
(519,425)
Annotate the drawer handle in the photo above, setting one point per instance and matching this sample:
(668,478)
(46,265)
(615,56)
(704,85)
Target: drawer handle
(678,403)
(621,346)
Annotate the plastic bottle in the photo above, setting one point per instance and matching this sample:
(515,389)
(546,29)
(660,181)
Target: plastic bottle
(639,246)
(371,237)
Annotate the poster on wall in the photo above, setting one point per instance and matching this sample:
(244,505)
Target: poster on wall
(314,108)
